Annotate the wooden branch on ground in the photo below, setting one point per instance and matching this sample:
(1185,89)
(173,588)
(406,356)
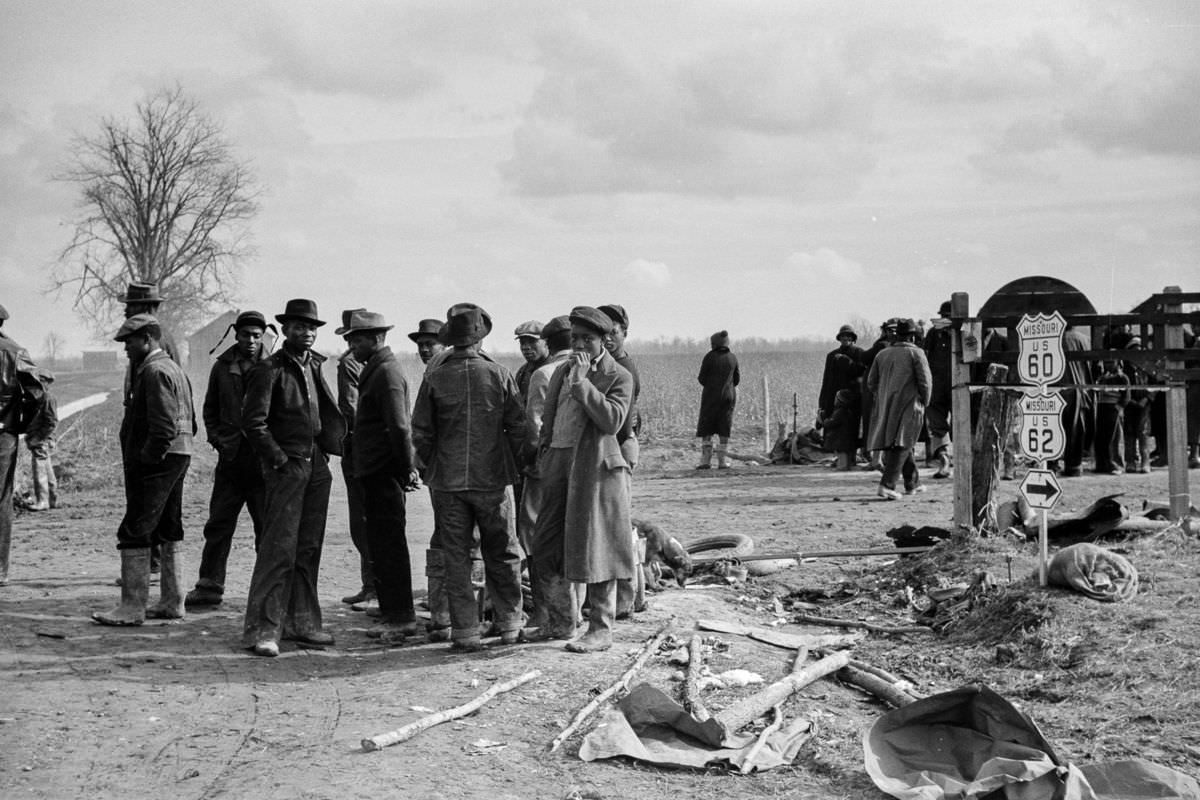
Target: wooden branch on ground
(813,619)
(691,685)
(748,763)
(889,693)
(412,729)
(751,708)
(621,685)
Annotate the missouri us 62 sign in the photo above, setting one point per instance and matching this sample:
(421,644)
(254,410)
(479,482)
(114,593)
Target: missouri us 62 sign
(1040,489)
(1042,436)
(1041,360)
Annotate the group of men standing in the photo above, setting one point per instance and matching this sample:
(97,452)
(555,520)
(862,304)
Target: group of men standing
(526,470)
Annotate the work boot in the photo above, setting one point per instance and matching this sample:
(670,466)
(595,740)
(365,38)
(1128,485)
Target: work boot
(135,590)
(722,456)
(362,595)
(41,487)
(438,600)
(170,604)
(204,595)
(706,452)
(602,597)
(943,461)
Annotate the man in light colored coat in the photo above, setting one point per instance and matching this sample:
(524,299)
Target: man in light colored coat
(583,530)
(901,384)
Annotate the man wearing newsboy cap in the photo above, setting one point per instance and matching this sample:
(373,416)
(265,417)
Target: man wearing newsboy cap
(238,479)
(583,531)
(292,421)
(156,450)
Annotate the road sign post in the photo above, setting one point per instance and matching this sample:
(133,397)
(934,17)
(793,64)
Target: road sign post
(1042,362)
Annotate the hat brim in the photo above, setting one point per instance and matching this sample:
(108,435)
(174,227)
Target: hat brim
(282,318)
(375,328)
(460,341)
(417,336)
(126,299)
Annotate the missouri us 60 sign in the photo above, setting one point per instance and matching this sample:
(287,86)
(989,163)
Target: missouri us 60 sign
(1042,436)
(1041,360)
(1040,489)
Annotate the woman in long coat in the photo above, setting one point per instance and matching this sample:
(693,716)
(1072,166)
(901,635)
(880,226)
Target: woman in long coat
(583,532)
(901,383)
(719,376)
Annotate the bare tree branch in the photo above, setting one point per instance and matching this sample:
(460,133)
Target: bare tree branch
(162,200)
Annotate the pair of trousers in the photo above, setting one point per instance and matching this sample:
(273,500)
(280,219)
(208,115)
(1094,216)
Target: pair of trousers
(383,493)
(237,484)
(937,421)
(1078,419)
(1110,435)
(458,514)
(153,502)
(8,474)
(283,588)
(357,505)
(898,461)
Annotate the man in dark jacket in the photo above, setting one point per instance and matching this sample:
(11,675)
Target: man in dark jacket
(13,359)
(156,450)
(349,370)
(720,376)
(937,415)
(533,350)
(843,371)
(39,441)
(237,480)
(293,423)
(468,428)
(383,462)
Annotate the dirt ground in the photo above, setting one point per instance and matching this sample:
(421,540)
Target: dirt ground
(180,710)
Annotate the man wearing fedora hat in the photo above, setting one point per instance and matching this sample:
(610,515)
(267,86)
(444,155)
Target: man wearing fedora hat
(425,337)
(292,421)
(156,449)
(144,298)
(843,370)
(583,531)
(238,478)
(349,369)
(383,462)
(468,428)
(901,384)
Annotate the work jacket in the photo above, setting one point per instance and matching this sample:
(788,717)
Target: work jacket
(382,438)
(160,418)
(13,358)
(468,423)
(275,411)
(222,411)
(349,369)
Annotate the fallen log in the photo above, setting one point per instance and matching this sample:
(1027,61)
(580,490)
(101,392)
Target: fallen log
(870,551)
(751,708)
(748,763)
(622,684)
(813,619)
(872,684)
(413,728)
(691,685)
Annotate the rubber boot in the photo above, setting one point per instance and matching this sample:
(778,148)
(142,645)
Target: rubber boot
(135,590)
(722,457)
(170,603)
(706,452)
(602,597)
(439,602)
(41,486)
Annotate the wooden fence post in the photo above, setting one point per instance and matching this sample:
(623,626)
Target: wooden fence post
(987,447)
(768,445)
(1176,444)
(960,412)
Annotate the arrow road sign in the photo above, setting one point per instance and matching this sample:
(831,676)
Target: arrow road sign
(1040,489)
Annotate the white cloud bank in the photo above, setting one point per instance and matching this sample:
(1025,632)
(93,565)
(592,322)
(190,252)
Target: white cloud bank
(825,263)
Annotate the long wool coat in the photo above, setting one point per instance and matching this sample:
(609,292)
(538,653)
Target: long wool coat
(719,376)
(901,384)
(597,540)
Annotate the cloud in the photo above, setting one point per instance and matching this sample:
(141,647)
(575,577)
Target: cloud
(825,263)
(647,273)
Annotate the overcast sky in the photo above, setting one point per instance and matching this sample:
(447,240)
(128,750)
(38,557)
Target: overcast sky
(774,169)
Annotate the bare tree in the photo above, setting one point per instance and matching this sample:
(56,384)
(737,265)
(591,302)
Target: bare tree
(162,201)
(53,345)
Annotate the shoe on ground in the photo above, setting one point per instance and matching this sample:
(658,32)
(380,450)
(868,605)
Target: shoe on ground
(466,645)
(438,635)
(319,638)
(366,606)
(547,634)
(202,597)
(266,648)
(1116,471)
(704,466)
(1144,469)
(590,643)
(513,637)
(888,494)
(915,489)
(361,596)
(1072,472)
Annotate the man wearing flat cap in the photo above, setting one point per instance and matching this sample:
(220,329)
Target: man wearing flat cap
(349,369)
(533,350)
(901,384)
(238,478)
(156,449)
(468,428)
(15,368)
(292,421)
(583,531)
(383,461)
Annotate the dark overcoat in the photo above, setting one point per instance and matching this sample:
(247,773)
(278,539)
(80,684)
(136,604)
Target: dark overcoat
(719,376)
(597,540)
